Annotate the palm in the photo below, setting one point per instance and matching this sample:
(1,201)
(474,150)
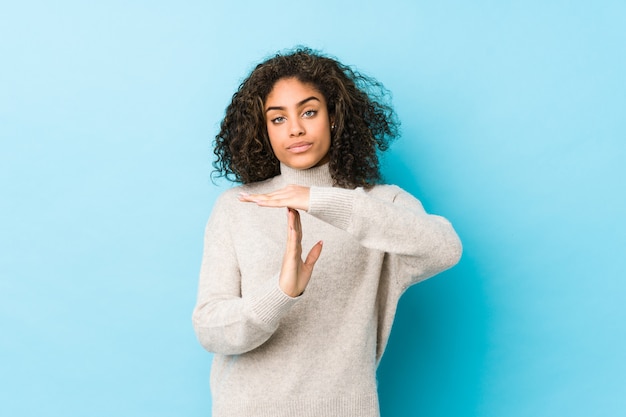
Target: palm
(296,273)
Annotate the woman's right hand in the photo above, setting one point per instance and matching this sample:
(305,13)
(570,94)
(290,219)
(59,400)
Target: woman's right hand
(295,273)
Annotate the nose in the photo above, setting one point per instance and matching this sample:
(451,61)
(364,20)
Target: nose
(296,128)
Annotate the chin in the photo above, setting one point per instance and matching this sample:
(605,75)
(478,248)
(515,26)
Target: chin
(305,164)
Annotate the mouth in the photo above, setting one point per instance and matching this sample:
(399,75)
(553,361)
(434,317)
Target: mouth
(299,147)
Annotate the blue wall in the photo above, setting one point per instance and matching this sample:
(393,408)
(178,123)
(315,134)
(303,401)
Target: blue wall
(513,128)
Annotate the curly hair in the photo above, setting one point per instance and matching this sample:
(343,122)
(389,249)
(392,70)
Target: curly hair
(365,123)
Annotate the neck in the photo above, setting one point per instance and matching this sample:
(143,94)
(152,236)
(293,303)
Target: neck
(316,176)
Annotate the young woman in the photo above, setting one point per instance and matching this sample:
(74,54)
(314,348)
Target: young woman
(296,337)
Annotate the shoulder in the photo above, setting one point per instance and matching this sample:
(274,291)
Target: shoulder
(228,212)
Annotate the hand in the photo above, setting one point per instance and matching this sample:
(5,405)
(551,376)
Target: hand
(295,274)
(292,196)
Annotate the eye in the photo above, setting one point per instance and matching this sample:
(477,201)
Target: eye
(309,113)
(278,120)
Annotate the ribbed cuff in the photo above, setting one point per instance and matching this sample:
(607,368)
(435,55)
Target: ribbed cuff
(333,205)
(270,303)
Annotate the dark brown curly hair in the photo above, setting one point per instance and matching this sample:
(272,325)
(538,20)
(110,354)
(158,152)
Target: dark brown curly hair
(365,123)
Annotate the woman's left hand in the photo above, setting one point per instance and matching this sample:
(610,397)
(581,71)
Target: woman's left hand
(292,196)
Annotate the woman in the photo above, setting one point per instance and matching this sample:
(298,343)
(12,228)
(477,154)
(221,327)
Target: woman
(296,337)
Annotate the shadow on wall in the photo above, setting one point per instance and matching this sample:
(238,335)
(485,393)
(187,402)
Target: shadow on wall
(433,364)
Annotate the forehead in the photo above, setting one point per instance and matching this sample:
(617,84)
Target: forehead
(288,91)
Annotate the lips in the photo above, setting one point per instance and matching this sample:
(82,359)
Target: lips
(299,147)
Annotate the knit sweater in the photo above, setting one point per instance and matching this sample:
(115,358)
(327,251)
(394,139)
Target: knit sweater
(314,355)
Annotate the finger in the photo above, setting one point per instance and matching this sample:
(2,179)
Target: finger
(291,222)
(290,196)
(274,194)
(265,196)
(314,254)
(255,198)
(262,201)
(294,237)
(247,198)
(296,221)
(274,202)
(297,228)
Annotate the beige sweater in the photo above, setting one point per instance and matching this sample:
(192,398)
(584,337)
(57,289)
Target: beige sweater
(314,355)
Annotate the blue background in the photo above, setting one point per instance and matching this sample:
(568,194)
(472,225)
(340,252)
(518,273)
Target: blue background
(513,128)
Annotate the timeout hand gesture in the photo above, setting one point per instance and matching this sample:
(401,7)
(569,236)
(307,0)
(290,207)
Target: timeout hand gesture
(292,196)
(295,273)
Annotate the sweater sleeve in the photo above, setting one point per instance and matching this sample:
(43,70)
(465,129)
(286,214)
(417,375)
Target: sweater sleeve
(391,220)
(224,321)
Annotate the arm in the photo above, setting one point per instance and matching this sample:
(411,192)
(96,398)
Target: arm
(385,218)
(393,221)
(224,321)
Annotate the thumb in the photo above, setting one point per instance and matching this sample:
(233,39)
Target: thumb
(313,255)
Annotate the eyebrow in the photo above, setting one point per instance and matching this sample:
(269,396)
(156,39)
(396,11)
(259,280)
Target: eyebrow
(299,104)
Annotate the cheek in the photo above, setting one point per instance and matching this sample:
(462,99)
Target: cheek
(329,138)
(274,131)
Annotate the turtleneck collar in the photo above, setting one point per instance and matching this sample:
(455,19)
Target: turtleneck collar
(317,176)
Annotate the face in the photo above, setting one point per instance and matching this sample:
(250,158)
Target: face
(298,124)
